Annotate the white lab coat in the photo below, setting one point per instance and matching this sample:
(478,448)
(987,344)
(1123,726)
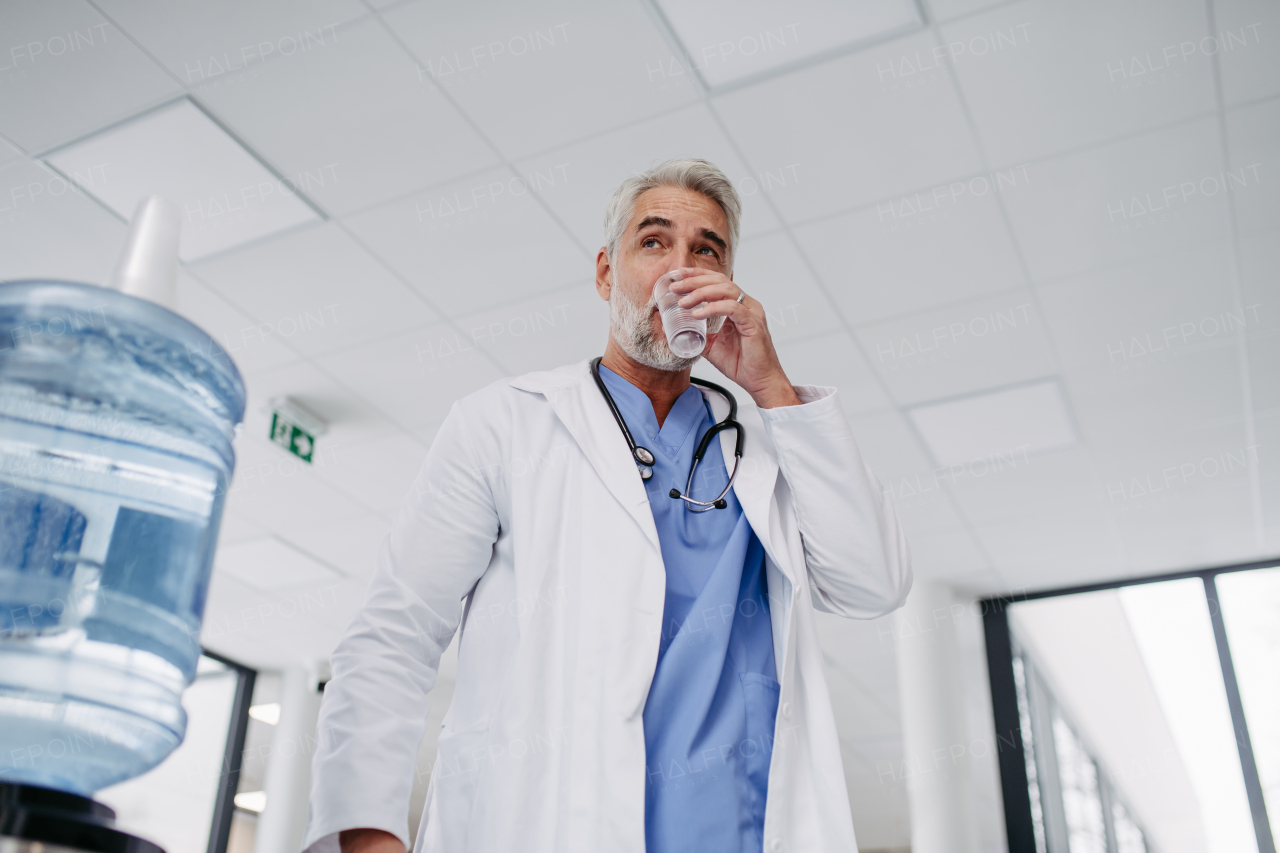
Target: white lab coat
(529,526)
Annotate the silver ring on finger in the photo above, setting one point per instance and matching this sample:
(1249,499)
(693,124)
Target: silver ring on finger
(742,294)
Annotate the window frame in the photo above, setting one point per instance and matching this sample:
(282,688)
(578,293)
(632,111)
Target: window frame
(233,754)
(1011,755)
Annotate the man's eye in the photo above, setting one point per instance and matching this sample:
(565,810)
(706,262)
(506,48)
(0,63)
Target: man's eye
(708,249)
(649,240)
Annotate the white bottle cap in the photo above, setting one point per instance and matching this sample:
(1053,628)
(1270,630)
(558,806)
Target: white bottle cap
(148,267)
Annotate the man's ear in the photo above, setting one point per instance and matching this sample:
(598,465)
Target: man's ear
(604,274)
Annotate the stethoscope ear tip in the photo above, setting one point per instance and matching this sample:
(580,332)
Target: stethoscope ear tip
(675,493)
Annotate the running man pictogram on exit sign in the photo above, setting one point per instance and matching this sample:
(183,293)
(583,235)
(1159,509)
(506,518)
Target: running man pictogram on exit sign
(292,437)
(295,428)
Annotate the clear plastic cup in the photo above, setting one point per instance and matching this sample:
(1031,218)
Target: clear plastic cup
(686,334)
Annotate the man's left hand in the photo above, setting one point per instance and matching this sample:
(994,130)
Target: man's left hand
(742,350)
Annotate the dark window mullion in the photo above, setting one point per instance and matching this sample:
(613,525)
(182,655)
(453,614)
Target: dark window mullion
(1252,784)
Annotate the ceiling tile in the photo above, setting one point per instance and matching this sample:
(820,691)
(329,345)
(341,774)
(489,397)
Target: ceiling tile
(542,332)
(1259,260)
(977,346)
(1143,196)
(833,360)
(351,545)
(888,444)
(341,147)
(1061,482)
(1253,138)
(267,630)
(945,10)
(240,336)
(1044,552)
(68,71)
(949,556)
(1148,398)
(1107,319)
(282,494)
(578,181)
(1051,77)
(317,289)
(235,529)
(771,270)
(1149,347)
(1246,48)
(333,604)
(854,130)
(226,197)
(269,565)
(1268,437)
(8,153)
(50,229)
(415,377)
(922,501)
(1160,469)
(443,241)
(533,77)
(917,251)
(727,42)
(378,472)
(206,44)
(1194,528)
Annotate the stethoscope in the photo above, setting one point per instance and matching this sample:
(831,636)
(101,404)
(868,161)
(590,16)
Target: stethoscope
(644,458)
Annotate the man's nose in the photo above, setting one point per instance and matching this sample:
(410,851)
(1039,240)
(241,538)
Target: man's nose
(685,257)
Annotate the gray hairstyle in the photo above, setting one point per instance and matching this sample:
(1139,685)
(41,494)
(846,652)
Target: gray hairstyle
(699,176)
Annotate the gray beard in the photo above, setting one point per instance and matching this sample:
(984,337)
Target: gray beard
(633,331)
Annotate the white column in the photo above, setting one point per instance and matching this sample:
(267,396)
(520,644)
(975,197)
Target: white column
(288,777)
(936,738)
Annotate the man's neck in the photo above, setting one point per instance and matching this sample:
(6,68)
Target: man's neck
(662,387)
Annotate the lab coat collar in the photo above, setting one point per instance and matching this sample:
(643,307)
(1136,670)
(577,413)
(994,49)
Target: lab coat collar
(577,401)
(578,404)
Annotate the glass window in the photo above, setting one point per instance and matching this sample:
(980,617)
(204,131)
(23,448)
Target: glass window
(1081,799)
(1251,613)
(1134,743)
(172,804)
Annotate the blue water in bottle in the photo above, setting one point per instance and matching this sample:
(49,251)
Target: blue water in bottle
(116,425)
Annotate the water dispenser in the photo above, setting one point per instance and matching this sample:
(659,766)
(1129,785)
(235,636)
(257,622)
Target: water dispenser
(117,417)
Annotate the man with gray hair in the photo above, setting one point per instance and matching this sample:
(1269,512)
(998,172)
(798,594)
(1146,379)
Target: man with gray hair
(638,660)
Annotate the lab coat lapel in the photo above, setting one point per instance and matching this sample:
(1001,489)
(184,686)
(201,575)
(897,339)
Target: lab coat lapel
(582,409)
(758,470)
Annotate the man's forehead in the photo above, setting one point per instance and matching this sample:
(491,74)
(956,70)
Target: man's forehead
(679,206)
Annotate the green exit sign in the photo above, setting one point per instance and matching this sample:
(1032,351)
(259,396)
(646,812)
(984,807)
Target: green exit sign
(292,437)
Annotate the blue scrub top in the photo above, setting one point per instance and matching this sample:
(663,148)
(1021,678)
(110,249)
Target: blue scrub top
(709,718)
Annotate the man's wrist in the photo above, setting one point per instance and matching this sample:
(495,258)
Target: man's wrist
(366,840)
(776,396)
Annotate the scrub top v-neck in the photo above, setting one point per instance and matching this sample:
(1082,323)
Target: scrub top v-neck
(709,718)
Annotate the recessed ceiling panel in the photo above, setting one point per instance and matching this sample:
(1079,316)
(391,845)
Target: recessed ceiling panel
(728,40)
(225,196)
(1020,421)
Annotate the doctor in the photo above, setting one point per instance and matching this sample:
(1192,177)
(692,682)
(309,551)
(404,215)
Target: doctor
(638,665)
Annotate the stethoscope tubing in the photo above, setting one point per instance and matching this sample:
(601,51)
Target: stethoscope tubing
(644,458)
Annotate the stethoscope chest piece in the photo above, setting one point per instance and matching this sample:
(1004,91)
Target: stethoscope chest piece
(644,457)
